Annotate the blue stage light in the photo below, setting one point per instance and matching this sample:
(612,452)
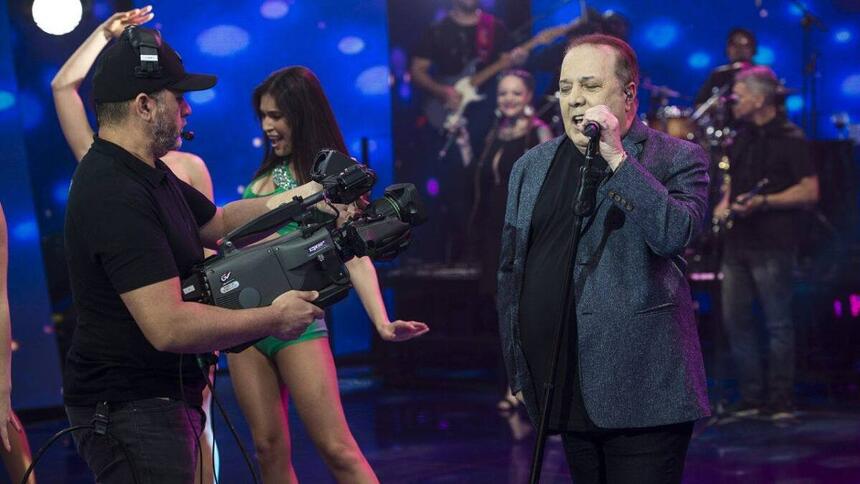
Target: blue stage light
(25,231)
(842,36)
(765,56)
(699,60)
(350,45)
(795,9)
(355,147)
(274,9)
(61,192)
(7,100)
(201,97)
(794,103)
(661,34)
(374,80)
(851,85)
(223,40)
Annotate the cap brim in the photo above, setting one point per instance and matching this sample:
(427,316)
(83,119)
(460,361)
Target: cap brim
(195,82)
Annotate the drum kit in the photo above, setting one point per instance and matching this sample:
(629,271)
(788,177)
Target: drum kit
(707,124)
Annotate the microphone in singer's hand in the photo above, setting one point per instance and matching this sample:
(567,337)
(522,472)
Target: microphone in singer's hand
(591,129)
(187,135)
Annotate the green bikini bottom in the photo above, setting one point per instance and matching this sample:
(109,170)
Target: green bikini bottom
(271,345)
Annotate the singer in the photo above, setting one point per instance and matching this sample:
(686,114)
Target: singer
(630,382)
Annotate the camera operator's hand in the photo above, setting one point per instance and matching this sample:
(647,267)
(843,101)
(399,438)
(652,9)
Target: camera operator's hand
(296,313)
(401,330)
(346,213)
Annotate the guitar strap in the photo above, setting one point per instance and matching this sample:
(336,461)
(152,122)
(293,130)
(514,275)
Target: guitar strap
(485,34)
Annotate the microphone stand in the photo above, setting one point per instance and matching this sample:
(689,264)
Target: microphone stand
(584,206)
(810,69)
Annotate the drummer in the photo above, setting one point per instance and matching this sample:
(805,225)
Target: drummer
(741,46)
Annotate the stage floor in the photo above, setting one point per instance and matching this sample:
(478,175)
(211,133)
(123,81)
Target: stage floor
(453,434)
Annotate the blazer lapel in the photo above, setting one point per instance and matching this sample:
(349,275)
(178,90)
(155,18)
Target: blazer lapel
(533,181)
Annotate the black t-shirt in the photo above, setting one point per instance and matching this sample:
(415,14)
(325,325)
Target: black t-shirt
(541,301)
(450,47)
(779,152)
(128,225)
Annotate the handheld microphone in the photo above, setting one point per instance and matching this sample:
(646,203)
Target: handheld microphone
(187,135)
(591,129)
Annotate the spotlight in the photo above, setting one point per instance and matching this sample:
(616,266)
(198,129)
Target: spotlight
(57,17)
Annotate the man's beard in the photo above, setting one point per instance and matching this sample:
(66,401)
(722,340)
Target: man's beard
(165,134)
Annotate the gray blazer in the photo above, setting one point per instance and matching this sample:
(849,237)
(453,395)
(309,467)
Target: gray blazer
(639,355)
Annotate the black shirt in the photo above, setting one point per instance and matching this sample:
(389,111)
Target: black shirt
(451,47)
(128,225)
(776,151)
(541,301)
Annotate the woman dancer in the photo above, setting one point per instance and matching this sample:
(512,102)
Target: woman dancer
(297,120)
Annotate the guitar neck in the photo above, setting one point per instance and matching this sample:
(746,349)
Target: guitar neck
(501,64)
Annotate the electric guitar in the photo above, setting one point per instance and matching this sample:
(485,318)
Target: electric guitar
(722,225)
(468,81)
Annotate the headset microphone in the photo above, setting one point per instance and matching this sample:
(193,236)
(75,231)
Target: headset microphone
(187,135)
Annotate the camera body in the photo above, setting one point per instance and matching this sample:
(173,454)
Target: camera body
(255,276)
(242,276)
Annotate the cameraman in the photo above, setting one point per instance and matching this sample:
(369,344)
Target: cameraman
(132,230)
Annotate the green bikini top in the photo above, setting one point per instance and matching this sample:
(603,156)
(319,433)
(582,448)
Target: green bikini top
(318,216)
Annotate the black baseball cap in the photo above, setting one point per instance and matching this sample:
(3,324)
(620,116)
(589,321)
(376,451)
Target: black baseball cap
(119,75)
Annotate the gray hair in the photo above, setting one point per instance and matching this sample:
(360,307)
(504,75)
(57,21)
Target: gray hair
(760,80)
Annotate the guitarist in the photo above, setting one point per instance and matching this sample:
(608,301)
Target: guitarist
(447,52)
(450,45)
(758,256)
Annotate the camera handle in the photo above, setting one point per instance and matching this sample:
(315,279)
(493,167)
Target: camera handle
(266,224)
